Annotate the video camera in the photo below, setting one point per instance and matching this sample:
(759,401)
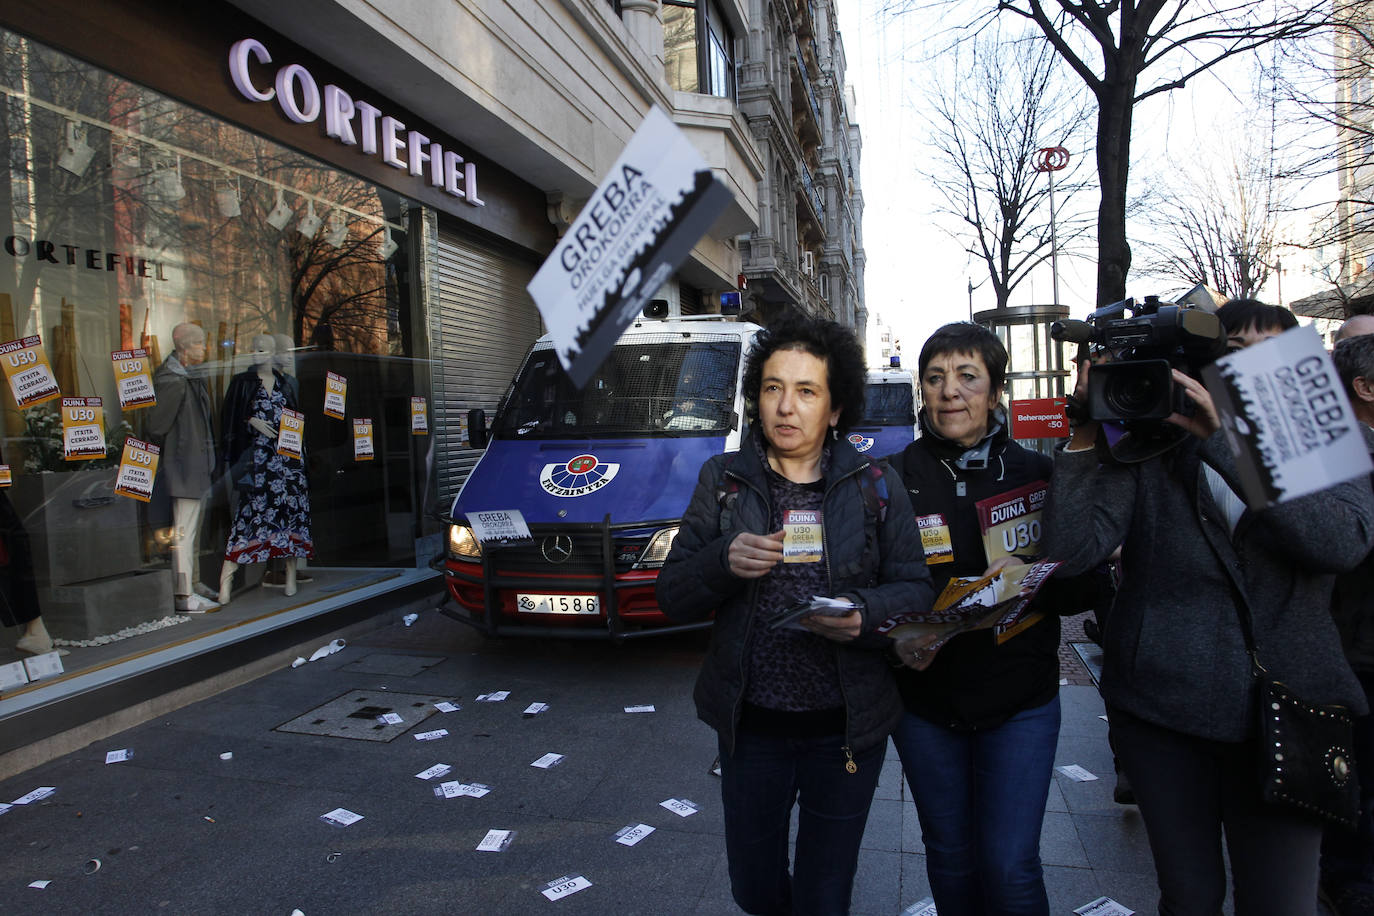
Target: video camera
(1134,386)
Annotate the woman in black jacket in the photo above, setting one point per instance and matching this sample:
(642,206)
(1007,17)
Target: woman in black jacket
(982,718)
(803,713)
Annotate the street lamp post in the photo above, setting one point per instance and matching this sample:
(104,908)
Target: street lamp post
(1051,159)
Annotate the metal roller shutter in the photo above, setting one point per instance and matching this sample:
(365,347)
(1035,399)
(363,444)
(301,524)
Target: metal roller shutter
(486,323)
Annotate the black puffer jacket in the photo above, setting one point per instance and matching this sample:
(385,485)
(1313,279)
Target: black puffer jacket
(696,580)
(975,682)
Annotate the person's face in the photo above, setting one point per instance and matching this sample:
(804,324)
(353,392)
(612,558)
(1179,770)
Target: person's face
(263,348)
(1248,336)
(794,403)
(959,396)
(193,351)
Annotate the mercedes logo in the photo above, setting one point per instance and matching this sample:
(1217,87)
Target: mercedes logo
(556,548)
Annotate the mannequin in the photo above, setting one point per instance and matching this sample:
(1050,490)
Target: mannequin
(181,423)
(285,363)
(273,516)
(18,590)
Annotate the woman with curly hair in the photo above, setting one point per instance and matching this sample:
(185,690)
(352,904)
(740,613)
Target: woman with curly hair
(802,712)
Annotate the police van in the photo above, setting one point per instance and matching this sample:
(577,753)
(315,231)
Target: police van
(889,421)
(601,477)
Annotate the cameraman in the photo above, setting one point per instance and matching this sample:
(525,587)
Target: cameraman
(1176,675)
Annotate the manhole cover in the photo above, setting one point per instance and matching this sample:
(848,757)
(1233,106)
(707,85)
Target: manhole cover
(358,715)
(392,665)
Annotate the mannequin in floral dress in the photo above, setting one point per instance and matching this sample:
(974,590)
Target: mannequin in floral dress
(273,516)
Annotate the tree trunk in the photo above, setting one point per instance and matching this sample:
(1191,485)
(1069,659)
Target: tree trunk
(1115,105)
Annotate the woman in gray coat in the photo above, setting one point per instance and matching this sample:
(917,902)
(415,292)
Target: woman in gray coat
(1176,676)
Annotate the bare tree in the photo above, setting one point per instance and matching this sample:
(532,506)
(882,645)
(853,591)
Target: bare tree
(1127,51)
(987,125)
(1216,224)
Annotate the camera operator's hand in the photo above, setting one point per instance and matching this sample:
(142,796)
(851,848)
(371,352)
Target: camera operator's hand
(1084,432)
(1204,420)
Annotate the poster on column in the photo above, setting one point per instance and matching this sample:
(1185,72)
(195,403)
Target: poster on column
(659,198)
(26,367)
(1284,413)
(137,469)
(335,395)
(83,429)
(291,434)
(362,439)
(132,379)
(419,417)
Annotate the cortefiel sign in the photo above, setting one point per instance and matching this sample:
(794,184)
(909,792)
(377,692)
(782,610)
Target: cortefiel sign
(659,198)
(1286,417)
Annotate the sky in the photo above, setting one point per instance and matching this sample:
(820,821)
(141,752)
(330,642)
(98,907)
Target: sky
(917,276)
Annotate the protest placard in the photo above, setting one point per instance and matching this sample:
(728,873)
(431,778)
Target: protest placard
(1286,417)
(655,203)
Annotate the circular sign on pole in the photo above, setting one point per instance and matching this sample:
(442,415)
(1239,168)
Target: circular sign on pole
(1051,159)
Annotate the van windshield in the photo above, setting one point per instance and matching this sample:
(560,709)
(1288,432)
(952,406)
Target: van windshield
(888,404)
(645,388)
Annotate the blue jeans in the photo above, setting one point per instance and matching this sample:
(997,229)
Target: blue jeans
(760,782)
(980,796)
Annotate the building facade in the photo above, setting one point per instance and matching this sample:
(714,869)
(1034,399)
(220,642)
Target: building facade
(807,253)
(346,198)
(1349,254)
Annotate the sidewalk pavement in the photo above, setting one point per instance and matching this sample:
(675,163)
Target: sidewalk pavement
(178,828)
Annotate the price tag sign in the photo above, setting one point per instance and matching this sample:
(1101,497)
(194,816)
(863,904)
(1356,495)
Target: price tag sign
(628,836)
(419,417)
(335,395)
(496,697)
(137,469)
(680,806)
(341,817)
(1039,418)
(362,439)
(6,477)
(83,429)
(648,708)
(26,366)
(118,756)
(432,736)
(132,378)
(496,841)
(291,435)
(562,887)
(1011,521)
(439,769)
(801,538)
(548,760)
(446,706)
(38,794)
(390,718)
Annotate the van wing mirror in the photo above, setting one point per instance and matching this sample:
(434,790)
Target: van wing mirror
(477,428)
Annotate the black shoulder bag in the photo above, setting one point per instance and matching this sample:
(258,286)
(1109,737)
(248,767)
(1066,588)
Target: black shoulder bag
(1305,760)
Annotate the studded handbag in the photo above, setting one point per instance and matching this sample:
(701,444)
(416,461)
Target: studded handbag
(1306,762)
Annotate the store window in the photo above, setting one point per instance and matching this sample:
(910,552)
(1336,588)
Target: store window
(170,279)
(698,48)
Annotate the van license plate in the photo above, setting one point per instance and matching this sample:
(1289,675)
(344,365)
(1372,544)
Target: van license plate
(557,604)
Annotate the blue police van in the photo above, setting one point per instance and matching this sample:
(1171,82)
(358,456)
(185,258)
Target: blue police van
(889,421)
(601,476)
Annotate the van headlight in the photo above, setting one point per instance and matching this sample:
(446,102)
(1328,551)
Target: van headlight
(657,551)
(462,544)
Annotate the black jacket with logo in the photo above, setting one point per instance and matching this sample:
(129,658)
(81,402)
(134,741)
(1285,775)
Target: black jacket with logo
(974,682)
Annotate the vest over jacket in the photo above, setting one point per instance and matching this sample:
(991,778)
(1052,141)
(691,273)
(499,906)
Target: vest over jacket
(886,578)
(1174,654)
